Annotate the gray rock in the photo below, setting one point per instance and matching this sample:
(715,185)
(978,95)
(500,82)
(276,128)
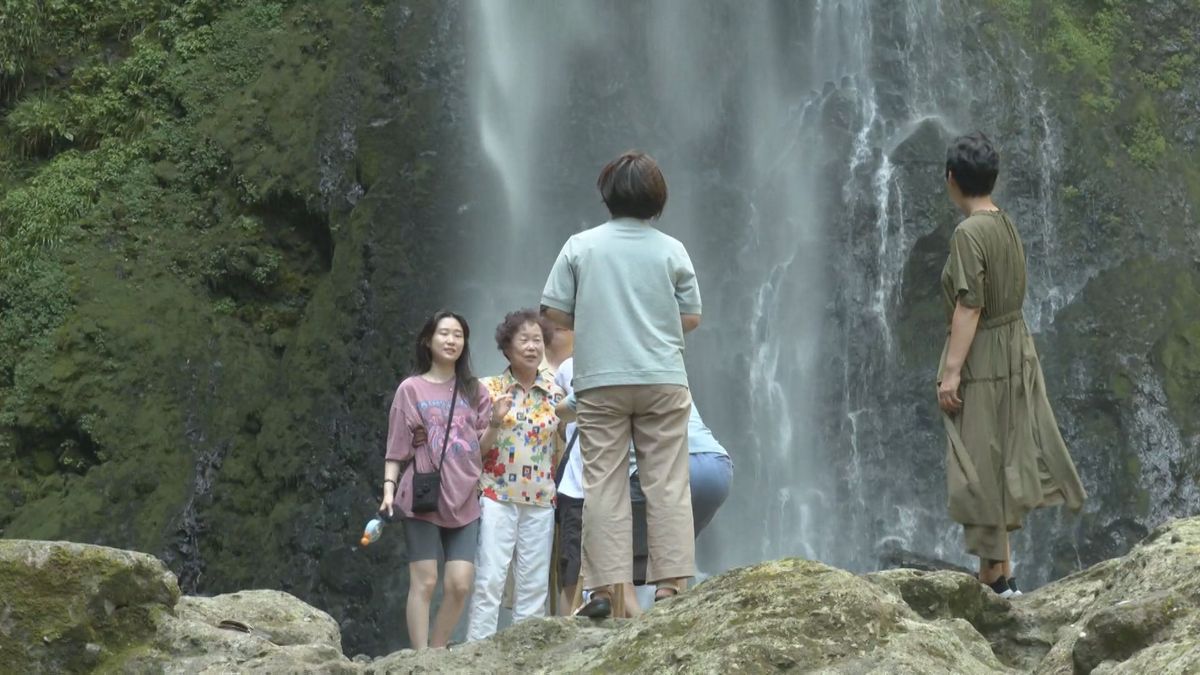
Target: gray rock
(62,605)
(72,607)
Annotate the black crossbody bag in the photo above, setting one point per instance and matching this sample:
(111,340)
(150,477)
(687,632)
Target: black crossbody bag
(562,465)
(427,487)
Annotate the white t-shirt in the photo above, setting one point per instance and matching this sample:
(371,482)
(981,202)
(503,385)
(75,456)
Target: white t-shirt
(572,480)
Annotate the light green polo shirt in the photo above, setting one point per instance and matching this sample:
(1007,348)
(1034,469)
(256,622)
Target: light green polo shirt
(626,283)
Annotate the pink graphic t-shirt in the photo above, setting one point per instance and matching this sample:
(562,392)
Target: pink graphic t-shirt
(419,402)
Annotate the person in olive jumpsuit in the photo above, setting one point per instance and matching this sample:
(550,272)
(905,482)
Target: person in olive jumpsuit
(1005,455)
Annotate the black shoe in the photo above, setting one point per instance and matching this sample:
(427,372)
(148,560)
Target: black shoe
(1000,586)
(598,607)
(1012,586)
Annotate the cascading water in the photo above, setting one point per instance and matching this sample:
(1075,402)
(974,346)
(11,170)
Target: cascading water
(803,144)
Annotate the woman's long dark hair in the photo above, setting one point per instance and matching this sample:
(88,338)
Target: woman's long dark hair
(467,382)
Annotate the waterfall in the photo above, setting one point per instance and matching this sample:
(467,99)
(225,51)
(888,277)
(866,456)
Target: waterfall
(803,144)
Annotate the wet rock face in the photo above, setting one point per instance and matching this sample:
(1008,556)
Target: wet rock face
(1109,226)
(1139,613)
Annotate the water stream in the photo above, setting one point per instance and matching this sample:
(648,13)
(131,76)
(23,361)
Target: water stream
(803,144)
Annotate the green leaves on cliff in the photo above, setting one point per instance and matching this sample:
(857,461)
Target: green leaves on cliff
(114,195)
(1085,47)
(1121,58)
(41,38)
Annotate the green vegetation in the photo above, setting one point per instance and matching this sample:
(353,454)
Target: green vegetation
(1117,66)
(116,200)
(1085,47)
(1168,74)
(185,286)
(1147,145)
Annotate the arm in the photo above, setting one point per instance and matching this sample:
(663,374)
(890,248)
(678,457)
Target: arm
(399,447)
(559,317)
(488,440)
(690,322)
(490,413)
(558,296)
(687,292)
(391,478)
(962,333)
(566,409)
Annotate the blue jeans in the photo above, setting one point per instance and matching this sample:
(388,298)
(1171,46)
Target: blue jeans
(711,475)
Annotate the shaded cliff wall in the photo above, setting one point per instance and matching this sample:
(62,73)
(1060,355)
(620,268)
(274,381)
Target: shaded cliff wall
(218,222)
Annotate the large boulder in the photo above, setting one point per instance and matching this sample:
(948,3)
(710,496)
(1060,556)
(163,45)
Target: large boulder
(1138,614)
(285,635)
(68,607)
(791,614)
(76,608)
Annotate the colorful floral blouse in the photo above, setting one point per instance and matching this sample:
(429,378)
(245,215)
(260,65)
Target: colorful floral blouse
(520,467)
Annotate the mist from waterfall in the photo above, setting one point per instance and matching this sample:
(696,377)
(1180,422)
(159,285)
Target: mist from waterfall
(803,146)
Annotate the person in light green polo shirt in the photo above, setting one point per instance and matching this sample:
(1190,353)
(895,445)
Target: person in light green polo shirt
(630,293)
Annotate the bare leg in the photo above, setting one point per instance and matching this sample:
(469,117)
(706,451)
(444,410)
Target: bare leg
(1008,559)
(566,603)
(990,570)
(422,579)
(993,569)
(460,577)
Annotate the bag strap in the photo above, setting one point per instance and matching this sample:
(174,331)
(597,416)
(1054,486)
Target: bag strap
(449,424)
(562,464)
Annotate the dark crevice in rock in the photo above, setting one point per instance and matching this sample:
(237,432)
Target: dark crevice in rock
(63,446)
(299,230)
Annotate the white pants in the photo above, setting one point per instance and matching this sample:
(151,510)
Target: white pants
(503,528)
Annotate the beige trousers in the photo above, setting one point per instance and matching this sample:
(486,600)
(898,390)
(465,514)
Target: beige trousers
(655,417)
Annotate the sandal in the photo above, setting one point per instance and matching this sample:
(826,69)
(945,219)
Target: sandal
(599,606)
(666,591)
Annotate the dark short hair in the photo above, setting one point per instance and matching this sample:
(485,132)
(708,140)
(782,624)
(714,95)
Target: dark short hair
(632,186)
(514,320)
(975,164)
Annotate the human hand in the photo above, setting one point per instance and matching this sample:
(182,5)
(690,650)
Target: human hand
(389,498)
(500,408)
(947,393)
(419,436)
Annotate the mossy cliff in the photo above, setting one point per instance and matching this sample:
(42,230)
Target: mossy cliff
(216,224)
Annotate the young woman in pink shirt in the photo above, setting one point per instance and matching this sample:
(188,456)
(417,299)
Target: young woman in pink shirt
(423,437)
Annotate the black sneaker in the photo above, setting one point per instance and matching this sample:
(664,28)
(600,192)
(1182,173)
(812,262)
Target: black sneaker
(1012,586)
(1000,586)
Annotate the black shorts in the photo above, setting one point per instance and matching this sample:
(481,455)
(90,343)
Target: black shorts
(426,541)
(569,514)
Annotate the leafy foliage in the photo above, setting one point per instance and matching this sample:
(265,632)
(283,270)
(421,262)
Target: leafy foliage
(110,178)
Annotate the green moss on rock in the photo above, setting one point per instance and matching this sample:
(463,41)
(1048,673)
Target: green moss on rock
(68,606)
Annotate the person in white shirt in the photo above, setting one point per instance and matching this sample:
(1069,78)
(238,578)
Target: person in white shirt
(710,476)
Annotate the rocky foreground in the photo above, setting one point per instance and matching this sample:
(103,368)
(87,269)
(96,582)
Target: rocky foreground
(74,608)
